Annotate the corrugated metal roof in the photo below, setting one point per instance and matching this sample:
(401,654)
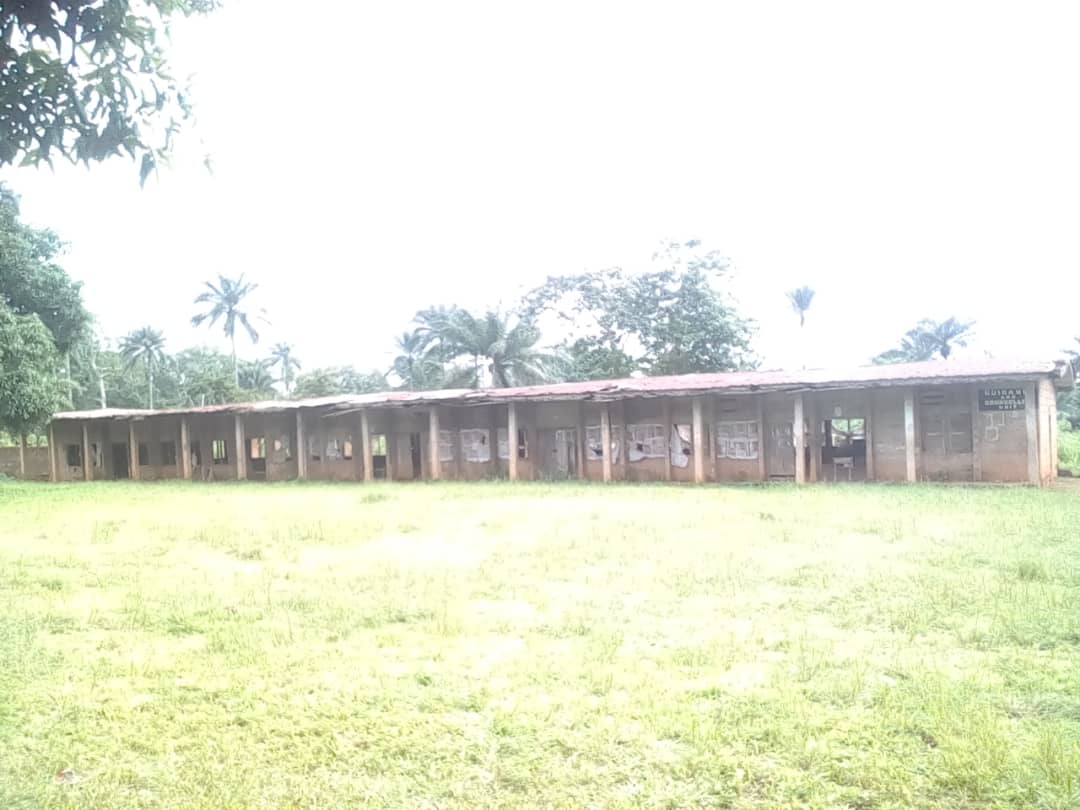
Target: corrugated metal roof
(937,372)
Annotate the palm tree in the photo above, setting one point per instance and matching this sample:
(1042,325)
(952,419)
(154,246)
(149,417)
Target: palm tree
(503,353)
(282,355)
(946,333)
(927,340)
(418,365)
(225,298)
(801,299)
(255,378)
(144,345)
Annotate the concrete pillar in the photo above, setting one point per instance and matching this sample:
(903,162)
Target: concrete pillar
(665,415)
(976,435)
(185,449)
(133,452)
(763,471)
(605,440)
(22,456)
(1053,434)
(1031,419)
(87,462)
(301,447)
(869,435)
(433,444)
(798,439)
(368,471)
(511,439)
(391,447)
(241,450)
(813,419)
(53,474)
(909,434)
(619,436)
(1047,425)
(582,449)
(698,431)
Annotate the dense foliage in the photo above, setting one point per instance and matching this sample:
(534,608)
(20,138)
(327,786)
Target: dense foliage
(89,79)
(929,340)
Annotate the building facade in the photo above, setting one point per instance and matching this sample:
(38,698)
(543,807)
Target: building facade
(986,420)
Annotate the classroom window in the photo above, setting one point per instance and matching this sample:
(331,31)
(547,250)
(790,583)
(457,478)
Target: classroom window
(283,446)
(646,441)
(168,453)
(346,448)
(738,440)
(378,444)
(944,432)
(257,447)
(474,446)
(314,451)
(595,445)
(219,451)
(504,444)
(73,454)
(196,454)
(446,445)
(144,454)
(686,438)
(333,449)
(846,432)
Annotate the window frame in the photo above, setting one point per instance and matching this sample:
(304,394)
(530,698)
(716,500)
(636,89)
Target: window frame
(222,459)
(168,453)
(735,435)
(471,439)
(647,438)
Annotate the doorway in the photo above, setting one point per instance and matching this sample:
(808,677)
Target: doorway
(415,456)
(257,458)
(559,453)
(843,455)
(120,461)
(780,451)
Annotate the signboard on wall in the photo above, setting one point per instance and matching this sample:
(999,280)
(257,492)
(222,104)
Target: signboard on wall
(1001,399)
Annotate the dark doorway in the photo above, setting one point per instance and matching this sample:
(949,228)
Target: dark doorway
(257,458)
(120,461)
(414,454)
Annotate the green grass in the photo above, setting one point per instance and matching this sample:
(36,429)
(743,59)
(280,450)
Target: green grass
(488,645)
(1069,448)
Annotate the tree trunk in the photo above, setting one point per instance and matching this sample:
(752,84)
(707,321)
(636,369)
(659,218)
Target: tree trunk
(235,367)
(67,374)
(102,398)
(22,456)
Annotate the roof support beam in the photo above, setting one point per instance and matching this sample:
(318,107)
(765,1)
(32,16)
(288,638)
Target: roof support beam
(909,434)
(798,439)
(434,462)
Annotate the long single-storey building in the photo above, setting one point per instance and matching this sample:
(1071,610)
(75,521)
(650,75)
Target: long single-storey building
(982,420)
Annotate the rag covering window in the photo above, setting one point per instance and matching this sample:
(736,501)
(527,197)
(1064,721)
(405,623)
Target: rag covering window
(446,445)
(645,441)
(474,445)
(596,446)
(738,440)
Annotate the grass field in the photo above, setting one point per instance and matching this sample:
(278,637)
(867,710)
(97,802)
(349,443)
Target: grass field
(491,645)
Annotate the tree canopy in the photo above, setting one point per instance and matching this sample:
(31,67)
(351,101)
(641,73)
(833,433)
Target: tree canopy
(29,394)
(674,319)
(89,79)
(30,280)
(322,382)
(225,299)
(928,340)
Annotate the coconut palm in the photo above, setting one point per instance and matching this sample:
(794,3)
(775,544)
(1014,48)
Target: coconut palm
(225,298)
(145,345)
(800,300)
(927,340)
(256,379)
(503,352)
(418,364)
(282,356)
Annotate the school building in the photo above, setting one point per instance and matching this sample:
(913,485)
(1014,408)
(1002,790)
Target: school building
(970,420)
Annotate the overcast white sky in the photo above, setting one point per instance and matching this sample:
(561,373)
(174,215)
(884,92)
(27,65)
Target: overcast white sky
(910,160)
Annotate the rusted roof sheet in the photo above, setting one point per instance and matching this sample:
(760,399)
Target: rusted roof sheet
(936,372)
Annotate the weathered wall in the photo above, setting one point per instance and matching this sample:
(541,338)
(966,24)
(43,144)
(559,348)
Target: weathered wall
(887,434)
(36,459)
(1003,440)
(203,430)
(1047,401)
